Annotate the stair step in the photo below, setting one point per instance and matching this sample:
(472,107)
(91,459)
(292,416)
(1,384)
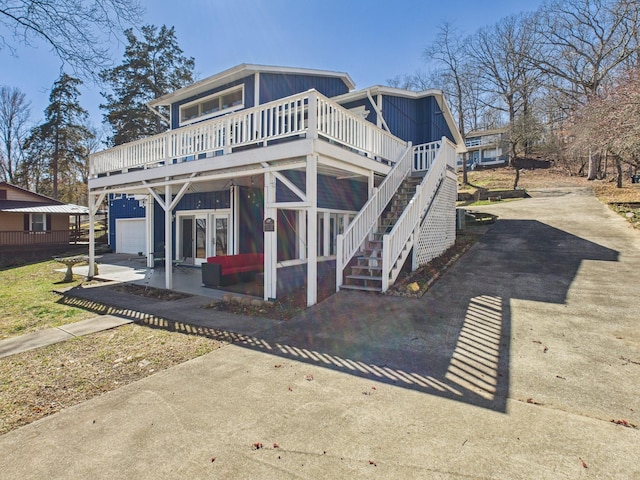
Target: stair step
(360,287)
(368,259)
(369,267)
(364,277)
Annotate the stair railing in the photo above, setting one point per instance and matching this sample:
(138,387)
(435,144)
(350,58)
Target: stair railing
(349,242)
(395,242)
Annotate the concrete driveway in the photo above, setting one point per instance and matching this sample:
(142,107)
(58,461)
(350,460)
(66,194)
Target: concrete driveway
(522,362)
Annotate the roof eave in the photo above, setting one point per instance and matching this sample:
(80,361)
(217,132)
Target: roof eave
(238,72)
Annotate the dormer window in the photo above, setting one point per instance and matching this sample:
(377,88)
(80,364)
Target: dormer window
(212,106)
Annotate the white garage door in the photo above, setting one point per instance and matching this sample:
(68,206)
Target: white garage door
(130,235)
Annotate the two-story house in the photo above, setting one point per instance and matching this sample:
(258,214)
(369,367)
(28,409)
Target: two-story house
(292,163)
(486,148)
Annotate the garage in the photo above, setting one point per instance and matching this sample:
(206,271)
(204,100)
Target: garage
(130,235)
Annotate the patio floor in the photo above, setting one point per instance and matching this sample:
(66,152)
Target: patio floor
(118,267)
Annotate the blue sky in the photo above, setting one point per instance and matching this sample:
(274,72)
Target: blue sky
(372,41)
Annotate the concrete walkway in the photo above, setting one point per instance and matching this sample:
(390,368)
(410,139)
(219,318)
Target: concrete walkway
(42,338)
(512,367)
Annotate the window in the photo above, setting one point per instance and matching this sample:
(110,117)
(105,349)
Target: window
(3,194)
(38,222)
(212,106)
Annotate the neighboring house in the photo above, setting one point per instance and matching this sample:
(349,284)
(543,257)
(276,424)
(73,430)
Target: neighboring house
(31,219)
(292,163)
(486,148)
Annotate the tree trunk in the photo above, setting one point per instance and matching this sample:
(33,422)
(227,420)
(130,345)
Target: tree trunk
(517,179)
(593,167)
(619,171)
(465,176)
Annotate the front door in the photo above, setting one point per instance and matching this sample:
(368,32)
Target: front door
(203,235)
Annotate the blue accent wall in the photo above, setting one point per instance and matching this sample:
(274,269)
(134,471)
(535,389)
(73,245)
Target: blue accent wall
(274,86)
(334,194)
(416,120)
(250,217)
(432,124)
(190,201)
(372,116)
(123,207)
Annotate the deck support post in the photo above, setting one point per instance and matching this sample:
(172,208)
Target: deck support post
(94,204)
(270,237)
(149,215)
(168,239)
(312,230)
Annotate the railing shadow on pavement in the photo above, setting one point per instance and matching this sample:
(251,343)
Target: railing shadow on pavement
(454,342)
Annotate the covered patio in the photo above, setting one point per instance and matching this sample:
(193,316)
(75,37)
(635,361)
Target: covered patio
(123,268)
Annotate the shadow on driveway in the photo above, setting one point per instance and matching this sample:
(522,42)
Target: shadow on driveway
(454,342)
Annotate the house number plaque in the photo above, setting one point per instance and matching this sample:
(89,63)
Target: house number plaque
(269,225)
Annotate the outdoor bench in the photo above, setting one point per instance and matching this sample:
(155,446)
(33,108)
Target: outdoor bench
(229,269)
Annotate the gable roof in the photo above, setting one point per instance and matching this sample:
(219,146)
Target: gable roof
(37,197)
(399,92)
(241,71)
(38,203)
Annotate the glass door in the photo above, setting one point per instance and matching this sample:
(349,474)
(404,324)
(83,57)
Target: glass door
(220,234)
(200,239)
(186,239)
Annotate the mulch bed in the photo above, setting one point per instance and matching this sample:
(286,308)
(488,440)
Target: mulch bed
(150,292)
(415,284)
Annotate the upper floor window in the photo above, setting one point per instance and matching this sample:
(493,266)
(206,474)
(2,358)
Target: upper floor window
(213,105)
(3,194)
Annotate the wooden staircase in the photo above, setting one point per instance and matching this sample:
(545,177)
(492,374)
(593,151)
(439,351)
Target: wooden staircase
(365,270)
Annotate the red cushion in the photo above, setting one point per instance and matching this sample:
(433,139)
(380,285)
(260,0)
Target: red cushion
(244,262)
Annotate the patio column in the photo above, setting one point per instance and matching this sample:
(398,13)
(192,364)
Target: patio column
(94,204)
(92,238)
(312,230)
(149,216)
(270,228)
(168,239)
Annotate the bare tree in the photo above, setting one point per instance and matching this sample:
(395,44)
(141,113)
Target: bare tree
(79,32)
(449,50)
(502,54)
(585,42)
(416,82)
(14,115)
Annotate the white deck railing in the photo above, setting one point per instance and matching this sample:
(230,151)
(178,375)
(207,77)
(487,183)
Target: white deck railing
(423,156)
(394,242)
(288,117)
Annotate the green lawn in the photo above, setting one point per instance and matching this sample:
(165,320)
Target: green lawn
(28,303)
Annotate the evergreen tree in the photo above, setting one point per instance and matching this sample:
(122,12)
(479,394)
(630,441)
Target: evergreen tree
(153,66)
(57,149)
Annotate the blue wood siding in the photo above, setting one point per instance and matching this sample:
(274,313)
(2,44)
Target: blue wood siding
(334,194)
(295,276)
(432,124)
(191,201)
(274,86)
(372,116)
(401,117)
(416,120)
(123,207)
(249,88)
(250,217)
